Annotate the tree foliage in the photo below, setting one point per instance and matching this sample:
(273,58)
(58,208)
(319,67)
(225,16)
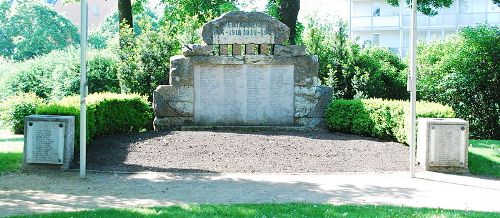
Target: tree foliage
(464,72)
(430,7)
(144,61)
(352,71)
(32,29)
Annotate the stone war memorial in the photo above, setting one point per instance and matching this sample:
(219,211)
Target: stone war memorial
(245,75)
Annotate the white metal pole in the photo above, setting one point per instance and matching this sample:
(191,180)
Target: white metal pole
(350,19)
(83,88)
(413,88)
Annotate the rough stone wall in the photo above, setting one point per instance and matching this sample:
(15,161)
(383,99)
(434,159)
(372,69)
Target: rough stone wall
(174,103)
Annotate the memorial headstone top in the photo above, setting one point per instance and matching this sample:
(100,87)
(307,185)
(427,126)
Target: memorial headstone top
(239,27)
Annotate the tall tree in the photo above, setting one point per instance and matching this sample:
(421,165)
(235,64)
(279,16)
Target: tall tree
(125,11)
(286,11)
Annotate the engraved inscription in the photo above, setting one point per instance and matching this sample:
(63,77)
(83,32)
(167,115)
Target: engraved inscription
(45,142)
(446,145)
(242,33)
(243,94)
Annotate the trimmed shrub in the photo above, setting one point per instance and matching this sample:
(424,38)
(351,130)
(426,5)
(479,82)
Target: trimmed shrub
(464,72)
(384,119)
(15,108)
(107,113)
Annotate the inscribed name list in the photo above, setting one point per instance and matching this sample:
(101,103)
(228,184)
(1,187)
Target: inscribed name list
(447,145)
(45,142)
(243,94)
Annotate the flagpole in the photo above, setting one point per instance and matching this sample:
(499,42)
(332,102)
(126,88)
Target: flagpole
(412,86)
(83,88)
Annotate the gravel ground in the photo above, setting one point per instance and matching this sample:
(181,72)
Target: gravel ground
(245,152)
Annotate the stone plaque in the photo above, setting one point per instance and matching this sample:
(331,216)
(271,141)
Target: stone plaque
(447,145)
(45,142)
(244,94)
(244,28)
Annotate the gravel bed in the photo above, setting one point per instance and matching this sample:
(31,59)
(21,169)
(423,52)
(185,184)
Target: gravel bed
(245,152)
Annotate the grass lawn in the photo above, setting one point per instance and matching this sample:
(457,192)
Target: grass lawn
(272,210)
(484,157)
(10,161)
(10,155)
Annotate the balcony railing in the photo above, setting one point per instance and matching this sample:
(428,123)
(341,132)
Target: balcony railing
(441,20)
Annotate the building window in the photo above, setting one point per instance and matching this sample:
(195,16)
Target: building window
(376,9)
(376,39)
(95,10)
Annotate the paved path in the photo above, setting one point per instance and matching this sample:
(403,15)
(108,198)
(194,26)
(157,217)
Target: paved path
(43,192)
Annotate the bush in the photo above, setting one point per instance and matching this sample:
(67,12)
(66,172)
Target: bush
(15,108)
(379,73)
(57,74)
(464,72)
(384,119)
(145,59)
(107,113)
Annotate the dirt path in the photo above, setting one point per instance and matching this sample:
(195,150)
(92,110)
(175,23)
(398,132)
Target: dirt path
(245,152)
(25,193)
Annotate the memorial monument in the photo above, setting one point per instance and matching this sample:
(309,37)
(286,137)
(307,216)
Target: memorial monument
(245,75)
(442,144)
(48,141)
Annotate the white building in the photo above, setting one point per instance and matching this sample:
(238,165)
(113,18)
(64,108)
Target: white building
(376,22)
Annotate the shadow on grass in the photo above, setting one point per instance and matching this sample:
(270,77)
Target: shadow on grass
(272,210)
(18,139)
(480,165)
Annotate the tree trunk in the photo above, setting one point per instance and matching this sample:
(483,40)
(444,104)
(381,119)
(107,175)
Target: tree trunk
(288,12)
(125,11)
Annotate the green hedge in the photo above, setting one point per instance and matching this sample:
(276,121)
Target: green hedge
(107,113)
(384,119)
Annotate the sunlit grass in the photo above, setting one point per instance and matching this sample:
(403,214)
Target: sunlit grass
(272,210)
(10,161)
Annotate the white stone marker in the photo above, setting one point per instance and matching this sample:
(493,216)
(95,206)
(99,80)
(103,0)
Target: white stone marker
(442,144)
(48,141)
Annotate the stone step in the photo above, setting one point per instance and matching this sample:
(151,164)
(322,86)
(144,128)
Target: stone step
(247,128)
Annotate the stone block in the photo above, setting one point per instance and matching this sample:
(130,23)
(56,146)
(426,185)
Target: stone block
(193,50)
(289,50)
(324,96)
(245,27)
(311,122)
(174,93)
(442,144)
(303,105)
(170,123)
(181,73)
(48,142)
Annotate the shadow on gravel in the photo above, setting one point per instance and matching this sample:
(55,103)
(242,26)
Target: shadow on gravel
(147,190)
